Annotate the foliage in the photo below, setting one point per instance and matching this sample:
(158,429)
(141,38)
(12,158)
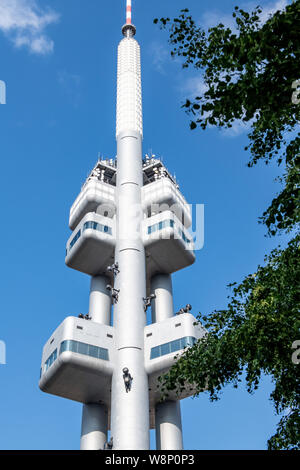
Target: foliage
(253,335)
(288,433)
(249,73)
(284,211)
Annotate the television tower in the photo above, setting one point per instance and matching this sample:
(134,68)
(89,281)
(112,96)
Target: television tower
(129,233)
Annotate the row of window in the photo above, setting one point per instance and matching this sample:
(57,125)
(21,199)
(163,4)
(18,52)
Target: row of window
(93,226)
(77,347)
(96,226)
(83,348)
(160,226)
(165,224)
(106,229)
(50,360)
(74,240)
(102,353)
(184,237)
(172,346)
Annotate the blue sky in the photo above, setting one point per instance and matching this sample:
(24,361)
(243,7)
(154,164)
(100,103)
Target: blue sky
(58,59)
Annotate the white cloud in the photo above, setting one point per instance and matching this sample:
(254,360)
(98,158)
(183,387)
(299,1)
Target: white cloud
(214,17)
(160,55)
(195,86)
(24,23)
(271,8)
(239,127)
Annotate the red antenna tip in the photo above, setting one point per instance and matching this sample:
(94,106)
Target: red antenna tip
(128,12)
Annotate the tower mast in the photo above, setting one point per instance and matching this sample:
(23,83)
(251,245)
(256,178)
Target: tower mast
(129,409)
(129,233)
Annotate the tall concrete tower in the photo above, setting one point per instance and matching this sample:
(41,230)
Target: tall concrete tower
(129,233)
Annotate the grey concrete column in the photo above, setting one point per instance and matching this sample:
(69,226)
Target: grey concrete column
(167,414)
(162,306)
(168,426)
(94,416)
(100,300)
(93,427)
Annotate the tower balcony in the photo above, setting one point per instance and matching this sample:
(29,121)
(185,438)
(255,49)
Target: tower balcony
(90,248)
(95,196)
(168,244)
(77,361)
(162,195)
(163,342)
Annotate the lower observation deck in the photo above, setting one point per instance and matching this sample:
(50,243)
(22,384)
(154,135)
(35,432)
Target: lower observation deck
(77,361)
(90,249)
(163,342)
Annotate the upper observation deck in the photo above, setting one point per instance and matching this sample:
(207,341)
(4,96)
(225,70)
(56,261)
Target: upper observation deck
(166,219)
(161,192)
(168,244)
(90,248)
(97,193)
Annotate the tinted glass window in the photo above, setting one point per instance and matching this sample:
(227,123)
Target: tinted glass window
(172,346)
(85,349)
(175,345)
(165,349)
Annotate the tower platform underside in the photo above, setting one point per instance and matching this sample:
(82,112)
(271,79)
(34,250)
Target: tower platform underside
(78,359)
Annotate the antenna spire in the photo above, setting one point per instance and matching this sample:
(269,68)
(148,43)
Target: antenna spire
(128,12)
(128,29)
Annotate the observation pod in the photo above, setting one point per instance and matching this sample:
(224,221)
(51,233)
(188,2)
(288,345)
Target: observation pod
(77,361)
(95,196)
(130,232)
(169,246)
(163,194)
(90,249)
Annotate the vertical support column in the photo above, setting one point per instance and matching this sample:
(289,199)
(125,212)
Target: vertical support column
(93,427)
(100,300)
(162,306)
(167,414)
(94,416)
(168,426)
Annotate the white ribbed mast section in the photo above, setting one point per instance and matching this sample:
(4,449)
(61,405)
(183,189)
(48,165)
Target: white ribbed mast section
(129,408)
(129,89)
